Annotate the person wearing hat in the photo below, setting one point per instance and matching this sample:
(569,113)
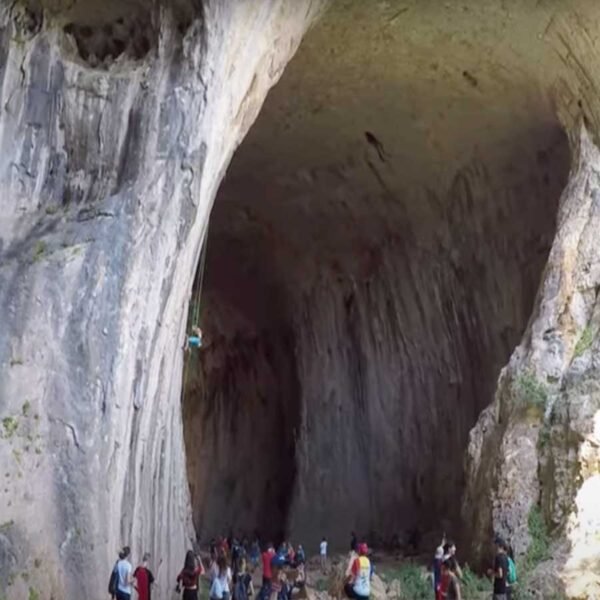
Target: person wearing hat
(359,581)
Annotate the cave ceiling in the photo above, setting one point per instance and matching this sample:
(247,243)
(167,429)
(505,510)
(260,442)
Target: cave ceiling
(387,102)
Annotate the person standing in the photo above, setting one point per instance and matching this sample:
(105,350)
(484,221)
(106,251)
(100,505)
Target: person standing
(437,572)
(189,576)
(255,553)
(144,579)
(323,553)
(450,553)
(358,586)
(453,591)
(353,542)
(221,585)
(267,556)
(500,570)
(242,583)
(124,575)
(300,556)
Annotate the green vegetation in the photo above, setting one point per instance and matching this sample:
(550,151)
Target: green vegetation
(17,454)
(4,527)
(414,585)
(33,594)
(51,210)
(531,391)
(26,408)
(539,547)
(10,425)
(544,437)
(473,585)
(37,563)
(16,361)
(38,250)
(584,342)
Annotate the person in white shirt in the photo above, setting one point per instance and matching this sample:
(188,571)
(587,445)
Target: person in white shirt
(323,553)
(125,573)
(220,588)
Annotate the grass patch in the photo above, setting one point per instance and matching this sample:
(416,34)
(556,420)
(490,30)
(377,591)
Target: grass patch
(39,250)
(10,425)
(473,585)
(413,584)
(33,594)
(17,456)
(539,547)
(584,342)
(531,391)
(15,361)
(544,438)
(26,408)
(4,527)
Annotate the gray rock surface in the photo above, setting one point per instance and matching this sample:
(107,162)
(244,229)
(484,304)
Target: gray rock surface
(118,121)
(536,447)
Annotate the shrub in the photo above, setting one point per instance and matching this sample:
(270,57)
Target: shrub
(531,391)
(413,585)
(473,585)
(539,547)
(584,342)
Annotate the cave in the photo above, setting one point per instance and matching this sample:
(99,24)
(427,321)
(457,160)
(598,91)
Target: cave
(388,212)
(372,260)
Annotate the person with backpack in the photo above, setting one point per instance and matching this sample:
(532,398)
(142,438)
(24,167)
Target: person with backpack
(189,577)
(121,580)
(243,588)
(144,579)
(511,576)
(220,588)
(500,570)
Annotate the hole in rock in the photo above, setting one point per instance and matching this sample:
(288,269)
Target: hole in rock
(103,32)
(357,311)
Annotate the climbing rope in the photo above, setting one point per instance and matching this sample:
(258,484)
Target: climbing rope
(200,283)
(196,296)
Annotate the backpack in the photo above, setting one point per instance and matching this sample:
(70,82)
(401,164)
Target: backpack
(113,582)
(511,576)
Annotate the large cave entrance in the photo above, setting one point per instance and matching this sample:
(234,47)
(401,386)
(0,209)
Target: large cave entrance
(373,257)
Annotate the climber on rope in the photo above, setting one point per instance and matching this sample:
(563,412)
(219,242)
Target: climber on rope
(194,340)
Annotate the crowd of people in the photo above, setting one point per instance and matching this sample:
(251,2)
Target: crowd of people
(229,574)
(447,574)
(232,564)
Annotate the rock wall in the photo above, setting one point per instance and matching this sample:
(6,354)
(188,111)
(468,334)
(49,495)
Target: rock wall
(118,121)
(536,447)
(388,318)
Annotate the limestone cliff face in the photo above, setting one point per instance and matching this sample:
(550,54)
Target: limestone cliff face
(118,121)
(536,447)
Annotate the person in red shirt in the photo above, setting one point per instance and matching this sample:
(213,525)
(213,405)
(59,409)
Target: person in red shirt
(189,576)
(267,557)
(144,579)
